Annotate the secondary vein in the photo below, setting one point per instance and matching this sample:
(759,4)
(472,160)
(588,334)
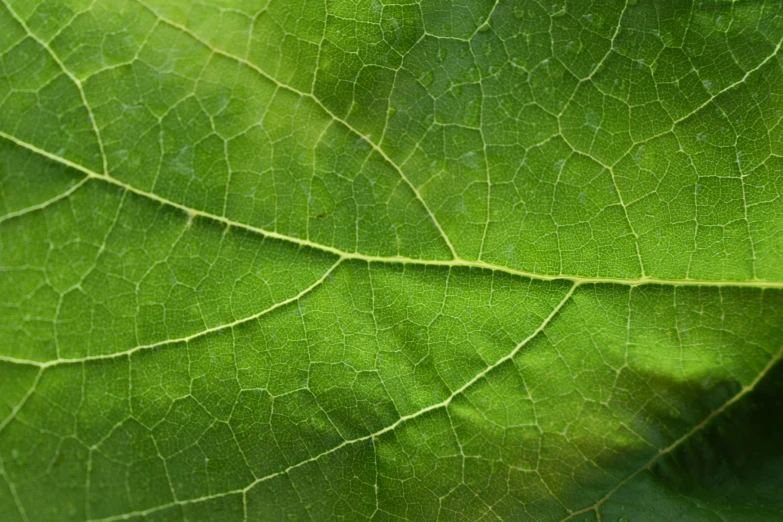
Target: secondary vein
(185,339)
(372,436)
(677,443)
(320,104)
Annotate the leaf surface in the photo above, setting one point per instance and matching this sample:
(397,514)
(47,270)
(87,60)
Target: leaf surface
(447,260)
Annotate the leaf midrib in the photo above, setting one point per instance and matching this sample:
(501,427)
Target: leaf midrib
(344,255)
(377,148)
(456,260)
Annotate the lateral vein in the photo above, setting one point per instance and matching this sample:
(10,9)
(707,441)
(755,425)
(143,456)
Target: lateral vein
(40,206)
(677,443)
(70,75)
(376,147)
(185,339)
(391,427)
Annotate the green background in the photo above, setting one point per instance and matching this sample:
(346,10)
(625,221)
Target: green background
(362,259)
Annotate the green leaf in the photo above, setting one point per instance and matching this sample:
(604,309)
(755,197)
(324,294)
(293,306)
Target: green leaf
(352,260)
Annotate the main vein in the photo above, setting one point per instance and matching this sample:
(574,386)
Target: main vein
(342,254)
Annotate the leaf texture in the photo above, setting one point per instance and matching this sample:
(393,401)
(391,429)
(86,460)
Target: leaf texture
(391,260)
